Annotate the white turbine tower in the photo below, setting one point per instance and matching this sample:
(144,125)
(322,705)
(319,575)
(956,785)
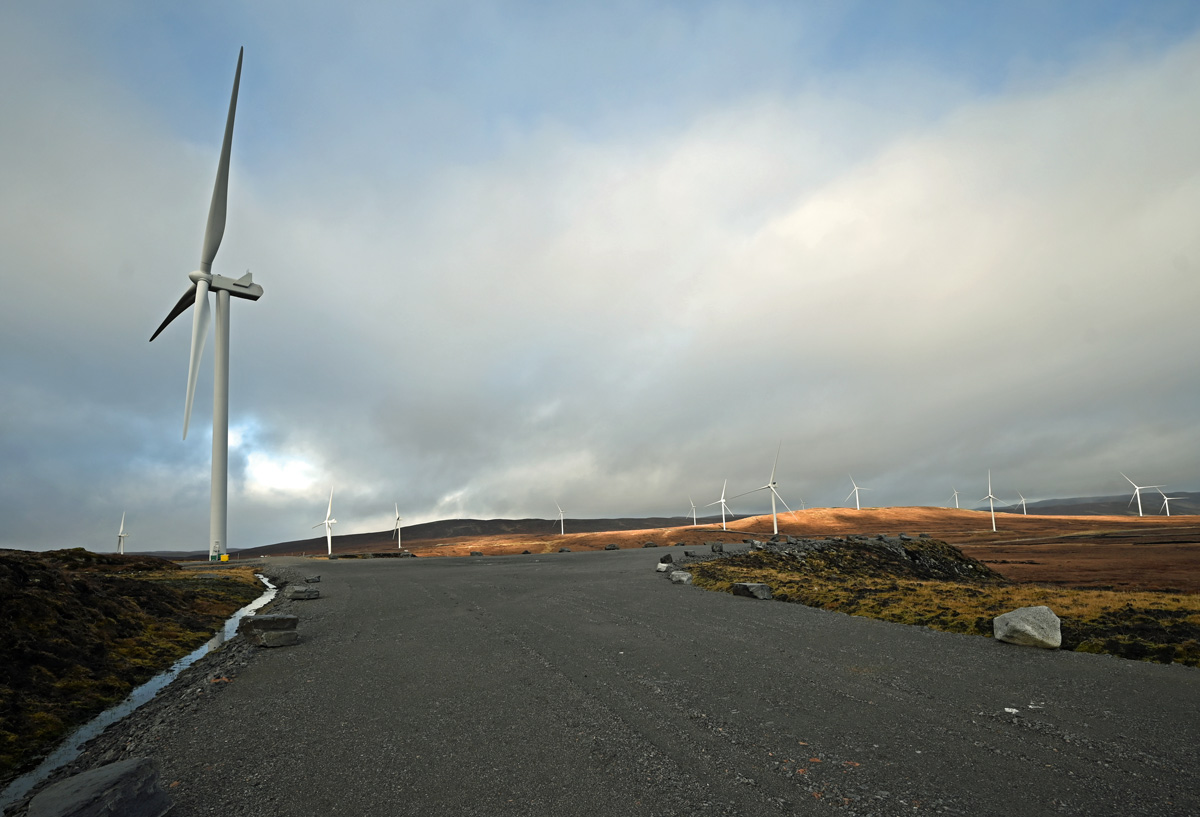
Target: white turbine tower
(693,504)
(1167,502)
(771,486)
(1137,492)
(395,530)
(328,523)
(721,502)
(121,534)
(196,296)
(562,526)
(955,498)
(854,493)
(991,501)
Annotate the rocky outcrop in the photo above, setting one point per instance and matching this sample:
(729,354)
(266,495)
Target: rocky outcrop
(1029,627)
(128,788)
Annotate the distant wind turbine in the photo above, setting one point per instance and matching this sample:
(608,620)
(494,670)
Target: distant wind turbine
(771,486)
(991,501)
(1166,506)
(196,296)
(328,523)
(122,534)
(562,527)
(693,504)
(721,502)
(395,530)
(955,498)
(1137,492)
(1023,511)
(854,493)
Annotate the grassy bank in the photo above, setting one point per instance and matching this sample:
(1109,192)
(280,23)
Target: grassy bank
(78,631)
(858,579)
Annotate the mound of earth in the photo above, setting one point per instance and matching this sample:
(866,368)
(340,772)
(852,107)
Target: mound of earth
(78,631)
(879,557)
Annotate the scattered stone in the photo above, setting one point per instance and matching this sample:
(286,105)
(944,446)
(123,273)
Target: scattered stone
(564,550)
(524,552)
(300,592)
(312,579)
(128,788)
(666,558)
(681,577)
(904,537)
(755,590)
(476,553)
(269,621)
(716,547)
(331,556)
(649,545)
(689,554)
(1029,627)
(680,544)
(923,535)
(662,567)
(612,546)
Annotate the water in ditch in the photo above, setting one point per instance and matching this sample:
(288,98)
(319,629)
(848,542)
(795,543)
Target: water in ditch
(69,749)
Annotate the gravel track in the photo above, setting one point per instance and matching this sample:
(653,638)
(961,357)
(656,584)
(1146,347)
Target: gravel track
(587,684)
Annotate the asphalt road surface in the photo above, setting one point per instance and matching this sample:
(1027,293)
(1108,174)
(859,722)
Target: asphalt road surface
(587,684)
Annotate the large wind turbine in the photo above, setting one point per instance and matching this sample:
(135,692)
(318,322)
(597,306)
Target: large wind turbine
(1023,511)
(693,504)
(771,486)
(328,523)
(991,501)
(1137,492)
(562,525)
(395,530)
(721,502)
(1166,506)
(196,296)
(854,493)
(955,498)
(121,534)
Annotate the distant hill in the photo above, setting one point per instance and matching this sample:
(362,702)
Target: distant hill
(1152,505)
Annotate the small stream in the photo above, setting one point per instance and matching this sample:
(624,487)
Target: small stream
(69,749)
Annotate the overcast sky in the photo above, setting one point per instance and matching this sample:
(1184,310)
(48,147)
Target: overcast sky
(607,255)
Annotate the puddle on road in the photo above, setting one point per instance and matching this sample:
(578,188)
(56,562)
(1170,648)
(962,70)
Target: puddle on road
(69,749)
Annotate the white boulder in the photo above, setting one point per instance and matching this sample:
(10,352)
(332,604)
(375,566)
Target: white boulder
(1029,627)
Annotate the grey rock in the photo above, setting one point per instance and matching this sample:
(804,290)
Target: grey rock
(689,554)
(300,592)
(332,556)
(1029,627)
(272,621)
(662,567)
(312,579)
(128,788)
(649,545)
(274,638)
(666,558)
(612,546)
(755,590)
(680,544)
(524,552)
(681,577)
(564,550)
(716,547)
(476,553)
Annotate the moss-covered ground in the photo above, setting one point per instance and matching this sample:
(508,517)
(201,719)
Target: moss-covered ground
(865,579)
(79,630)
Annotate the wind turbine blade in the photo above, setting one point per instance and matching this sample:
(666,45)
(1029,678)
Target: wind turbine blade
(776,465)
(216,210)
(123,520)
(777,496)
(329,511)
(200,320)
(847,499)
(747,493)
(188,299)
